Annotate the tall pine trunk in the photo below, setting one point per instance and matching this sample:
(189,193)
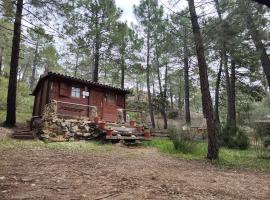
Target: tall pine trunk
(232,105)
(206,98)
(1,60)
(151,111)
(255,35)
(186,78)
(162,93)
(217,120)
(122,72)
(164,99)
(76,64)
(12,85)
(96,50)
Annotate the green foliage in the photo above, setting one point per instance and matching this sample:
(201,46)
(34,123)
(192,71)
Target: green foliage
(24,101)
(228,158)
(233,137)
(182,140)
(261,124)
(266,141)
(173,114)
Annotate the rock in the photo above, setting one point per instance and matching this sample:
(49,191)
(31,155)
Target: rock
(86,134)
(26,179)
(79,133)
(74,129)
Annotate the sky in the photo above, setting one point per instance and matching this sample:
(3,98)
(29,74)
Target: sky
(127,7)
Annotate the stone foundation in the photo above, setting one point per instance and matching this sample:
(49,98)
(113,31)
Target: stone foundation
(54,128)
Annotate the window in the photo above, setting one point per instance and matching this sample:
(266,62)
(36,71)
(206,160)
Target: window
(110,98)
(75,92)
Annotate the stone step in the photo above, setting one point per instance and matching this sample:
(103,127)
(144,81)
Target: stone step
(23,134)
(23,137)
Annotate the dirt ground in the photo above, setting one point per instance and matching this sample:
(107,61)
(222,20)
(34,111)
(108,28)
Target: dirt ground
(121,173)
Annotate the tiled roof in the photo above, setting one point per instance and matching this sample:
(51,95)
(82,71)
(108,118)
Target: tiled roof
(78,80)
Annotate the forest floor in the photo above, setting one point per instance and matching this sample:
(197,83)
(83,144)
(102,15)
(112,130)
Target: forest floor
(88,170)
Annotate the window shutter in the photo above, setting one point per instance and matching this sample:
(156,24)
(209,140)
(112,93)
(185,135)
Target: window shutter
(64,89)
(120,100)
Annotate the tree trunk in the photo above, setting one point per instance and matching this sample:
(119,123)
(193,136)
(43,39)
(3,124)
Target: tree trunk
(151,112)
(123,72)
(162,93)
(12,86)
(232,109)
(171,97)
(76,64)
(97,48)
(217,120)
(206,98)
(164,99)
(34,68)
(186,77)
(1,60)
(255,35)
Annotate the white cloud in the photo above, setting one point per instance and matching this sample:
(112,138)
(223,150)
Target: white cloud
(127,7)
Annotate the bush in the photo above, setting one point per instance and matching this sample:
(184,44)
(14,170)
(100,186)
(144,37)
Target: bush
(242,140)
(266,141)
(233,138)
(172,114)
(182,140)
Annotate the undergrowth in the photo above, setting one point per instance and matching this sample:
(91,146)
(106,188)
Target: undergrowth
(228,158)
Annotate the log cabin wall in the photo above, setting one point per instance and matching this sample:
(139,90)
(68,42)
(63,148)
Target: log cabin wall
(68,91)
(62,91)
(106,101)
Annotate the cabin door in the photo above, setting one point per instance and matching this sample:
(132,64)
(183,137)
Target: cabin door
(97,100)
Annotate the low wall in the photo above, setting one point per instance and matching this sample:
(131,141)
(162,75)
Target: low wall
(56,128)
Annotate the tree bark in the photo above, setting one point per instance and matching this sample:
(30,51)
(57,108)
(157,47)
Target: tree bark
(123,72)
(206,98)
(151,112)
(97,48)
(217,120)
(12,86)
(232,107)
(1,60)
(164,99)
(186,78)
(76,64)
(255,35)
(34,68)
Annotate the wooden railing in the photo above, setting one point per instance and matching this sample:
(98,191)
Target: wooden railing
(143,117)
(92,110)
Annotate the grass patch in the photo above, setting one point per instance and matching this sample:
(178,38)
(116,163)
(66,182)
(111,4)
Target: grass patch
(20,116)
(228,158)
(77,146)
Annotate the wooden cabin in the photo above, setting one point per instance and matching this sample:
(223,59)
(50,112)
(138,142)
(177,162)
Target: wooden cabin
(74,97)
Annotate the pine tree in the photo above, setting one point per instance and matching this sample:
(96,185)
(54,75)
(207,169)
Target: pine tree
(206,98)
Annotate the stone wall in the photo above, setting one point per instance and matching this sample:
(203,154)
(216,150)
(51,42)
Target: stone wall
(56,128)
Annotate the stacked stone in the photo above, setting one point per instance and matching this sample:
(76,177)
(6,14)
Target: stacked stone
(59,129)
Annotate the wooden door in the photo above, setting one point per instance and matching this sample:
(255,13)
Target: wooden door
(97,100)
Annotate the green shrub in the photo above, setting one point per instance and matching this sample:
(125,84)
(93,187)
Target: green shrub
(182,140)
(172,114)
(242,140)
(233,138)
(266,141)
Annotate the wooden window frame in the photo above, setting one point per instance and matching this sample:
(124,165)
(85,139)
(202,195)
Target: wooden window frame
(76,92)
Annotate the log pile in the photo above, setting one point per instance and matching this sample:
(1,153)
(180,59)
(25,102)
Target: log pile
(54,128)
